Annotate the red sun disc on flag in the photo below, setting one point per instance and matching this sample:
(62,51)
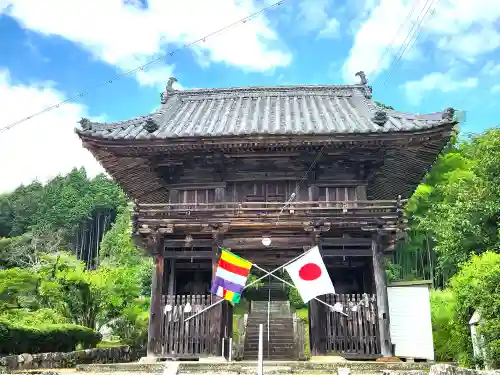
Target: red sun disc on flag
(309,272)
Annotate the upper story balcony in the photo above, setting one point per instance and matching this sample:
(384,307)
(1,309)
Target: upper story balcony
(358,213)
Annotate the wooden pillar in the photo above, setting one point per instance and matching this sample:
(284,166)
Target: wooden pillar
(171,279)
(382,298)
(216,237)
(316,333)
(217,326)
(155,311)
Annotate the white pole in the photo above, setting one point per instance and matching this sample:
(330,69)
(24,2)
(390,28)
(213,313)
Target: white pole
(223,339)
(293,286)
(260,358)
(253,282)
(230,348)
(268,318)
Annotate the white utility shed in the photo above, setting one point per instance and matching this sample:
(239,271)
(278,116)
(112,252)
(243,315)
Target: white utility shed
(410,319)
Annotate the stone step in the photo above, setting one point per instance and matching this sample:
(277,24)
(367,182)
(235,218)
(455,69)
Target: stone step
(272,328)
(255,326)
(274,344)
(282,343)
(283,338)
(273,321)
(272,354)
(285,366)
(272,338)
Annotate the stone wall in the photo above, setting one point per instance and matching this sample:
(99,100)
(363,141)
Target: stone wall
(71,359)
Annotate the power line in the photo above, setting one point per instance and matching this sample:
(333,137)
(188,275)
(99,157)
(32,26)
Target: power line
(407,40)
(413,35)
(387,49)
(141,67)
(294,194)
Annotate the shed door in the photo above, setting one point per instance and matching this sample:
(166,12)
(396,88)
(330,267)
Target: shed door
(410,321)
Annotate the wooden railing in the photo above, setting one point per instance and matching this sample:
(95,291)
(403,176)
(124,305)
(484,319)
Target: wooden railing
(198,336)
(155,214)
(355,335)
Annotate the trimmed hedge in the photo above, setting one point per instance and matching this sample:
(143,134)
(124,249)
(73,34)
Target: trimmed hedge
(16,339)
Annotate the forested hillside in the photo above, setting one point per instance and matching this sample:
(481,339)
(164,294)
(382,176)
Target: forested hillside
(61,264)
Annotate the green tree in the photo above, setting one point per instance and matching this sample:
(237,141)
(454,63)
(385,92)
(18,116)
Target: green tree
(477,288)
(117,249)
(87,297)
(454,212)
(17,289)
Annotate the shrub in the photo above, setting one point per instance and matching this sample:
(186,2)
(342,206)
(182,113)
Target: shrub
(17,339)
(295,299)
(132,325)
(476,288)
(27,318)
(442,312)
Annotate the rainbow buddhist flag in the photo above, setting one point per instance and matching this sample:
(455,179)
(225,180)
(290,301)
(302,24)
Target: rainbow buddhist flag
(231,276)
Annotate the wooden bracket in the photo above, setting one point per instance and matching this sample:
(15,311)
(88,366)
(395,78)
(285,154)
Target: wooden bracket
(169,229)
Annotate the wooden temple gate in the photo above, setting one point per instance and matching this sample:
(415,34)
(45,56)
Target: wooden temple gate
(304,165)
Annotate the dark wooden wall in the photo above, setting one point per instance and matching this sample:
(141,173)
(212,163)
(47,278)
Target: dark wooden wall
(271,177)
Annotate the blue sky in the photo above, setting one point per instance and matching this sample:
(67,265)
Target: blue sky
(55,49)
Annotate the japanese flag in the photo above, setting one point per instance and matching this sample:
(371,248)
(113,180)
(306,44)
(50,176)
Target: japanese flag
(310,276)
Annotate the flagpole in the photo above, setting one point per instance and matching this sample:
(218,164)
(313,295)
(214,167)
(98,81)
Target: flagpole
(277,269)
(293,286)
(205,309)
(255,281)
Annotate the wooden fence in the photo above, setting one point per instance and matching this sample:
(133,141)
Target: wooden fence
(353,336)
(199,336)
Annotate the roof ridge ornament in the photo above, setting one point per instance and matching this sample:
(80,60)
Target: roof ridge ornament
(380,117)
(362,76)
(448,114)
(85,124)
(151,126)
(168,89)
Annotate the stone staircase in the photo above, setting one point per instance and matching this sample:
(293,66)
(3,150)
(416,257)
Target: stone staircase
(280,345)
(273,288)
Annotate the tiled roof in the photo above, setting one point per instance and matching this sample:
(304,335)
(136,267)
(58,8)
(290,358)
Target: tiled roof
(282,110)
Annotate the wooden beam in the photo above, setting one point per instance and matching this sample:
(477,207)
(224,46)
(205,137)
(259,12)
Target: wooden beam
(181,243)
(346,241)
(155,313)
(189,255)
(382,298)
(290,242)
(346,253)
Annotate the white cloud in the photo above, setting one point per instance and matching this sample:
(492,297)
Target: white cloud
(463,29)
(495,89)
(331,29)
(44,146)
(491,68)
(313,16)
(415,90)
(127,35)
